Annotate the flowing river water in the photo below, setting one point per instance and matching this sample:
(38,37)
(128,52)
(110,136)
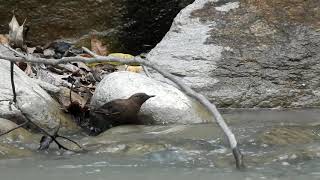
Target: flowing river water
(277,144)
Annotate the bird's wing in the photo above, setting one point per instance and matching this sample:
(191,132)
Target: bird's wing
(111,108)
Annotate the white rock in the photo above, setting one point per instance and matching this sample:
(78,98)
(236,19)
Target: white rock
(169,106)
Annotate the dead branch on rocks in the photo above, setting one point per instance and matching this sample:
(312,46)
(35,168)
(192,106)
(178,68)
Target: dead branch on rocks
(97,58)
(48,139)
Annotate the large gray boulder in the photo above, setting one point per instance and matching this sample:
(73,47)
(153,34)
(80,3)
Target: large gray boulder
(33,102)
(170,105)
(246,53)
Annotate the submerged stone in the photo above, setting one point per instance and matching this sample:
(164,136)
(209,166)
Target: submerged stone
(288,135)
(137,141)
(18,135)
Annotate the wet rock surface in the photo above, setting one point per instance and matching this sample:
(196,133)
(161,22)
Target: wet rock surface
(17,143)
(169,105)
(20,134)
(289,135)
(11,151)
(246,53)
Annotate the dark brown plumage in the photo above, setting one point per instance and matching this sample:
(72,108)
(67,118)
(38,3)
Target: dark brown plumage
(117,112)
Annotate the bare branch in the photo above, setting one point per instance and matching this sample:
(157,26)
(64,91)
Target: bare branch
(14,99)
(145,70)
(15,51)
(48,139)
(205,102)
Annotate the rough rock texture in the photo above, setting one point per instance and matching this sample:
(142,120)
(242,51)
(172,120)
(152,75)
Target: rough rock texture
(132,26)
(32,101)
(247,53)
(169,106)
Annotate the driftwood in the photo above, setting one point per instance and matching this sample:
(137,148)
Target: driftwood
(97,58)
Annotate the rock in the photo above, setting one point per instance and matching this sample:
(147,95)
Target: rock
(288,135)
(11,151)
(20,135)
(51,89)
(246,54)
(170,105)
(9,111)
(18,143)
(60,46)
(32,101)
(48,53)
(52,78)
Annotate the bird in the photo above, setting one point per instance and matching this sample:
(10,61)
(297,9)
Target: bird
(117,112)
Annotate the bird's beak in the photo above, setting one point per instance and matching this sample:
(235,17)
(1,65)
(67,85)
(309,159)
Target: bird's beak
(150,96)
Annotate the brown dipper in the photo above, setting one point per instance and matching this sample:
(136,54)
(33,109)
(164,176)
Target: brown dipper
(117,112)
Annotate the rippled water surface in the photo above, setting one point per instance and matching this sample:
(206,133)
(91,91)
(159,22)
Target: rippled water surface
(106,168)
(277,145)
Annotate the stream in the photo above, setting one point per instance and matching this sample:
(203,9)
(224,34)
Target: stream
(277,144)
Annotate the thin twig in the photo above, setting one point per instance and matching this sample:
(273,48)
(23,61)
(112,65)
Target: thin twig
(15,51)
(17,127)
(51,136)
(14,99)
(146,71)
